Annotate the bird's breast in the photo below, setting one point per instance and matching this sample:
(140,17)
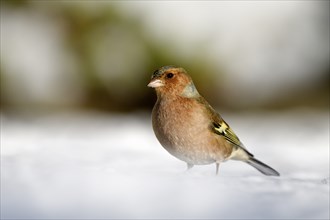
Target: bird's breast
(182,129)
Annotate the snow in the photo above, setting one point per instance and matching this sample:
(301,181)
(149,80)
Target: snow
(92,165)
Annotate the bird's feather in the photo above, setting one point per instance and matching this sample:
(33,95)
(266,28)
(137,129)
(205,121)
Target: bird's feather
(219,126)
(224,130)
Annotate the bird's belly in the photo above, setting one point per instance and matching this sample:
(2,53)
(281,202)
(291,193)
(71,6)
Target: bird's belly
(183,130)
(188,145)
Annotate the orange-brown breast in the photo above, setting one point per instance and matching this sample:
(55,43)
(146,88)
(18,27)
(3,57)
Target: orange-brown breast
(182,126)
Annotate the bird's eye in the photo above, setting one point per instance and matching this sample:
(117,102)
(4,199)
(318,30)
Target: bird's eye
(169,75)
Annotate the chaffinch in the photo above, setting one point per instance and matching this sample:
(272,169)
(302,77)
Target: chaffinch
(189,128)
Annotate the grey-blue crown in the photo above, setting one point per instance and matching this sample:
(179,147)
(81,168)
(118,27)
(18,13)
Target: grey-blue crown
(161,70)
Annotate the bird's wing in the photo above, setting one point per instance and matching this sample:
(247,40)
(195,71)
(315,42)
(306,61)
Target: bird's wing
(219,126)
(223,129)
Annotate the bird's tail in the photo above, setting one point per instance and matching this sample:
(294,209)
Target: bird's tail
(263,168)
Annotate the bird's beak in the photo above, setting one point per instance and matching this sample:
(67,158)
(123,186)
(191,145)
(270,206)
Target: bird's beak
(155,83)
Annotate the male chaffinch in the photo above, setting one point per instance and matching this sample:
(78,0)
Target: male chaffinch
(189,128)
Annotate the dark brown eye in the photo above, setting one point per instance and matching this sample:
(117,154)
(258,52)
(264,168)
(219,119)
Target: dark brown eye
(169,75)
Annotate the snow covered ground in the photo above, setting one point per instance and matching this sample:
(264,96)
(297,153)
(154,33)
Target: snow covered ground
(89,165)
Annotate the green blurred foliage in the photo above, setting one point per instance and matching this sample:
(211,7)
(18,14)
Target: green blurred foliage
(87,33)
(120,85)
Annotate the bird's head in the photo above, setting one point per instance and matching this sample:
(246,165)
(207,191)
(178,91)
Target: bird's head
(173,81)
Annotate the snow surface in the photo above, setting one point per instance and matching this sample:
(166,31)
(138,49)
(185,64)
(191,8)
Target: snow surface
(90,165)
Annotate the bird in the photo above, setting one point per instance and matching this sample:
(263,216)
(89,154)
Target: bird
(189,128)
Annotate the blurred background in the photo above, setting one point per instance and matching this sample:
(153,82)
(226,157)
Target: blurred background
(76,55)
(76,137)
